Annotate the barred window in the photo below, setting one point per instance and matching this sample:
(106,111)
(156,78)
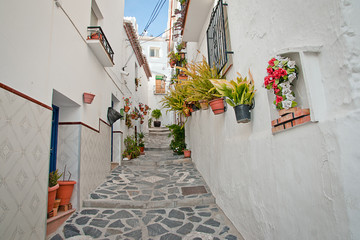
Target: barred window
(217,34)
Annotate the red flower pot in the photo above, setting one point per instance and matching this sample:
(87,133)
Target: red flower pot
(133,116)
(142,149)
(145,112)
(88,98)
(51,197)
(142,109)
(217,106)
(65,191)
(187,153)
(126,108)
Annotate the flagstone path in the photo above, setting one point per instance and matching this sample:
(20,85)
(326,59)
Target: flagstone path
(157,196)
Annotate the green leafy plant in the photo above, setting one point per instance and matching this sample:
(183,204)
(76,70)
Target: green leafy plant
(156,113)
(131,147)
(128,121)
(178,142)
(175,99)
(236,92)
(150,120)
(141,139)
(200,86)
(54,177)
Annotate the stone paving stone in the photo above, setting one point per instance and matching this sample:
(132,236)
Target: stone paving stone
(176,214)
(91,231)
(137,234)
(170,236)
(212,222)
(99,222)
(204,229)
(117,224)
(121,214)
(156,229)
(82,220)
(185,229)
(171,223)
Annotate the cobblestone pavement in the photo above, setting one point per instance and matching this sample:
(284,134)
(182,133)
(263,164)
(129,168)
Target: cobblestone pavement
(157,196)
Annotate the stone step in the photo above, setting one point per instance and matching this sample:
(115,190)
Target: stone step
(157,162)
(131,204)
(158,130)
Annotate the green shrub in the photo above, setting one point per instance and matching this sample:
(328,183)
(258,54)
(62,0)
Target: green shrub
(178,142)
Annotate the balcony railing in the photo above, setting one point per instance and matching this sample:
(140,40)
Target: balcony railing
(96,33)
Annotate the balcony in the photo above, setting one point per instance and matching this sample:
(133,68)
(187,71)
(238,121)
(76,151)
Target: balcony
(98,43)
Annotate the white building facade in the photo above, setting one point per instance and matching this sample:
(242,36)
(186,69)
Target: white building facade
(155,49)
(302,182)
(50,59)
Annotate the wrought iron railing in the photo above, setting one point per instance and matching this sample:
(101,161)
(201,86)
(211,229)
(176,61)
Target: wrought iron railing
(216,38)
(95,32)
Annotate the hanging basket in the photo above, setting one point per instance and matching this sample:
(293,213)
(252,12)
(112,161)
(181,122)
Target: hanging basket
(88,98)
(126,108)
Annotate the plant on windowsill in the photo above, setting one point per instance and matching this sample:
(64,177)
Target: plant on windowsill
(281,73)
(52,189)
(65,190)
(239,94)
(156,113)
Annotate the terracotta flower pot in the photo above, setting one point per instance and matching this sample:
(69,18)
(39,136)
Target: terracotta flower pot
(141,122)
(133,116)
(145,112)
(187,153)
(51,197)
(88,98)
(142,109)
(128,156)
(204,104)
(142,149)
(217,106)
(65,191)
(126,108)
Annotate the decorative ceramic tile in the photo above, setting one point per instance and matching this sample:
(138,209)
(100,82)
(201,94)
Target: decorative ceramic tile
(24,160)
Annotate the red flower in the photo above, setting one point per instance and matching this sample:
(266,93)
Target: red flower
(274,86)
(271,62)
(276,90)
(270,70)
(278,99)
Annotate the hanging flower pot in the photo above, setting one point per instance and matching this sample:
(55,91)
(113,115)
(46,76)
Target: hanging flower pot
(172,63)
(65,191)
(145,112)
(88,98)
(141,122)
(126,108)
(242,113)
(142,109)
(204,104)
(51,197)
(133,116)
(217,106)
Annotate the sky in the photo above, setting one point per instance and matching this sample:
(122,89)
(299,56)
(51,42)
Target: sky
(142,9)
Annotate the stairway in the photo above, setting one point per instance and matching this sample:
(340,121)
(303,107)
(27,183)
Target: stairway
(156,196)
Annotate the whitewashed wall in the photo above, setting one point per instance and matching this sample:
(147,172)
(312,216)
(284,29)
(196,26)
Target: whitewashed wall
(301,183)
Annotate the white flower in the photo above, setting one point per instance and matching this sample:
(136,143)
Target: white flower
(286,91)
(289,96)
(291,64)
(285,85)
(286,104)
(292,77)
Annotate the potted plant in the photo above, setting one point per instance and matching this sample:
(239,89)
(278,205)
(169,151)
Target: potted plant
(141,107)
(239,94)
(141,142)
(141,119)
(128,122)
(88,97)
(131,148)
(66,188)
(156,113)
(175,99)
(133,114)
(177,143)
(147,108)
(201,87)
(52,189)
(127,104)
(174,58)
(281,73)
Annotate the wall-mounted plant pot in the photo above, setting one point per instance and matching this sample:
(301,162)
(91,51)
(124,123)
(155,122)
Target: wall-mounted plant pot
(51,197)
(187,153)
(126,108)
(204,104)
(88,98)
(157,123)
(65,191)
(145,113)
(172,63)
(142,149)
(217,106)
(242,113)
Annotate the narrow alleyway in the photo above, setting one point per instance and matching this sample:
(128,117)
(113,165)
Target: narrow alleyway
(157,196)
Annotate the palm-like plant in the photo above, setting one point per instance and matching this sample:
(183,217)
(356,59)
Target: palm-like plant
(236,92)
(199,84)
(175,98)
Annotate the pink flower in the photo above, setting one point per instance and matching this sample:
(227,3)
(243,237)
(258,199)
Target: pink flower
(276,90)
(270,70)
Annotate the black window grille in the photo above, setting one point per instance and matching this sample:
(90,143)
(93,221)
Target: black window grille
(216,38)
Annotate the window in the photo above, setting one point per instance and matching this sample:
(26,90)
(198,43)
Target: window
(154,52)
(216,38)
(160,84)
